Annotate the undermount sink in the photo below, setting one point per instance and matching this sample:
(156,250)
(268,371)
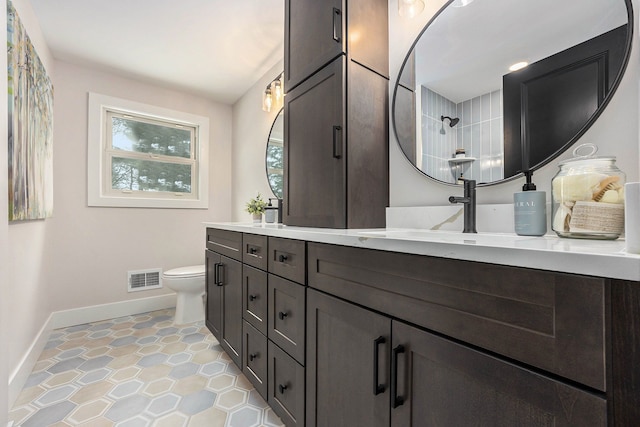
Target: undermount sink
(489,239)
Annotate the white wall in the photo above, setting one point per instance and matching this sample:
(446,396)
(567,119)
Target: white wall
(251,128)
(615,132)
(4,236)
(80,257)
(24,291)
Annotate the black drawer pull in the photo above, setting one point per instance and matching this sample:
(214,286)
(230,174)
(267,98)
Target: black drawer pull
(282,388)
(253,297)
(253,250)
(253,356)
(282,315)
(395,399)
(283,258)
(377,387)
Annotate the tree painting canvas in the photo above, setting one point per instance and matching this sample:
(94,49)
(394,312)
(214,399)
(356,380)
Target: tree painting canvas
(30,95)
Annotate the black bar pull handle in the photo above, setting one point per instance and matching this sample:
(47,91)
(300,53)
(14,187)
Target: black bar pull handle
(395,399)
(337,25)
(377,387)
(216,274)
(337,142)
(220,272)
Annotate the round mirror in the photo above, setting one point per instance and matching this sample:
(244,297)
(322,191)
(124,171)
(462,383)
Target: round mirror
(275,155)
(494,87)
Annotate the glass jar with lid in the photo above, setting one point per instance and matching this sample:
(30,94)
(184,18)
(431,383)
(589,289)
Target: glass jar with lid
(588,196)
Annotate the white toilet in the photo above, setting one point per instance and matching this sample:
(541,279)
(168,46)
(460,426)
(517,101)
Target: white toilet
(188,283)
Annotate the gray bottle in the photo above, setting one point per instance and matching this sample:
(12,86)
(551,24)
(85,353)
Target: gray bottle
(530,209)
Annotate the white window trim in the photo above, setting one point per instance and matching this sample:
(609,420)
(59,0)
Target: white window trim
(97,196)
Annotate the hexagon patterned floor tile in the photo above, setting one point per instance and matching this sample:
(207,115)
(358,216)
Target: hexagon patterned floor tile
(138,370)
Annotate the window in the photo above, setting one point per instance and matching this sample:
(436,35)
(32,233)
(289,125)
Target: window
(145,156)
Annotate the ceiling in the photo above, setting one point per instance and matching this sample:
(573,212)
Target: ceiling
(465,51)
(214,48)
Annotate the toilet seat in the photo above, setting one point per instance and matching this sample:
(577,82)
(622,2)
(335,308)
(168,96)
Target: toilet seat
(186,272)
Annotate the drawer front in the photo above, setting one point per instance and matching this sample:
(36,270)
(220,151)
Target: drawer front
(254,250)
(286,387)
(254,297)
(287,316)
(254,358)
(228,243)
(549,320)
(287,259)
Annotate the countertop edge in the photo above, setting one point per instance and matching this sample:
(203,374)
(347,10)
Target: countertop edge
(592,258)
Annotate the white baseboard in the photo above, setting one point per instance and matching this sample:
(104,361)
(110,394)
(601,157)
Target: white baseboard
(79,316)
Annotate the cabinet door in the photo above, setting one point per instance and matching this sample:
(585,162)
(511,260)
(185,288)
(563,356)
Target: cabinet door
(347,364)
(230,280)
(314,150)
(314,33)
(436,382)
(213,312)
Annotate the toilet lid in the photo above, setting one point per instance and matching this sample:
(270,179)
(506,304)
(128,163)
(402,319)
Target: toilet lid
(190,271)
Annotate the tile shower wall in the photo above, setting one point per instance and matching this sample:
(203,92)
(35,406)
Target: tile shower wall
(479,132)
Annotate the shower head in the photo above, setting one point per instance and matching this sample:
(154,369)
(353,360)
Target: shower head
(452,122)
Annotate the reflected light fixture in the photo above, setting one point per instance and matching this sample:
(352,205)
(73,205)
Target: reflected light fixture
(273,94)
(518,66)
(410,8)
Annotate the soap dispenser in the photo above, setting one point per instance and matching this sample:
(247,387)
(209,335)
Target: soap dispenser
(530,209)
(270,213)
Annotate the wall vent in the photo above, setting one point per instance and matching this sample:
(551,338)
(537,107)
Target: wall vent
(142,280)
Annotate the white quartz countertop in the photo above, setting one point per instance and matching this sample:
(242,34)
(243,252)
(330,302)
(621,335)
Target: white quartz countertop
(602,258)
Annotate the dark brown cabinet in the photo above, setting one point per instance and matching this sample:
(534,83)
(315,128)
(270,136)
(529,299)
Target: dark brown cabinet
(336,114)
(224,290)
(436,382)
(316,32)
(393,339)
(347,365)
(355,370)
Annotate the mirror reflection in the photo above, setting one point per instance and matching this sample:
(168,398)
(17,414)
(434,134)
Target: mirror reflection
(275,155)
(485,98)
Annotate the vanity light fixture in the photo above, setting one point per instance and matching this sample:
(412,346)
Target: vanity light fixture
(410,8)
(273,95)
(518,66)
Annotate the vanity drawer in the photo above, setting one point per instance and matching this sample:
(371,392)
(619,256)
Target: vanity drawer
(254,358)
(254,250)
(254,297)
(228,243)
(553,321)
(287,316)
(287,258)
(286,387)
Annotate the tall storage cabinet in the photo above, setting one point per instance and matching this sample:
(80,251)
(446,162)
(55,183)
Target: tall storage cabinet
(336,113)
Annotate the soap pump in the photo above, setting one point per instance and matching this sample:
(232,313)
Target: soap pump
(270,213)
(530,209)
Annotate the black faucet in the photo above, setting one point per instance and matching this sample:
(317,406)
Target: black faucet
(469,201)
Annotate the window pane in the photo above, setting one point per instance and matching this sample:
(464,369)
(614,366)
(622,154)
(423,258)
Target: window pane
(149,175)
(143,137)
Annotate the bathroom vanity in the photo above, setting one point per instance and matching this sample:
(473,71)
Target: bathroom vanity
(393,327)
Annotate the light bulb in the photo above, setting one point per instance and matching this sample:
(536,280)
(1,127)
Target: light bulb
(267,100)
(276,89)
(410,8)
